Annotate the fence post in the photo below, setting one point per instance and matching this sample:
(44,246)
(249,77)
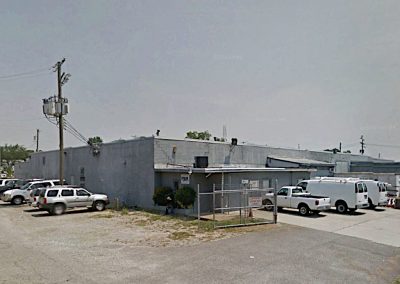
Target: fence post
(214,205)
(275,202)
(198,206)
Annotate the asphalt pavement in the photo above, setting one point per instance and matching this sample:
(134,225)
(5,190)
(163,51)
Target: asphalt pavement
(381,225)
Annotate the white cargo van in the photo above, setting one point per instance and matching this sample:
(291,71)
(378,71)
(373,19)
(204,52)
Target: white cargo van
(345,194)
(377,190)
(377,194)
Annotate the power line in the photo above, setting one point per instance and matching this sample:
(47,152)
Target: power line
(33,72)
(75,133)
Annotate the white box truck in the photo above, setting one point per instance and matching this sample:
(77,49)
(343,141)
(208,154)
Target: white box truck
(345,194)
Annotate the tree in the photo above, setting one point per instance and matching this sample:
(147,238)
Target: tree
(12,153)
(96,140)
(204,135)
(185,196)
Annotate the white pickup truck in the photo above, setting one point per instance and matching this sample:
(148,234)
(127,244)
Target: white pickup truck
(294,197)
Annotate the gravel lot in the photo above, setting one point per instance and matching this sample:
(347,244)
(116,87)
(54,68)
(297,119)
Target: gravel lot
(108,247)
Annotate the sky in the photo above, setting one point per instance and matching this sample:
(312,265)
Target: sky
(299,74)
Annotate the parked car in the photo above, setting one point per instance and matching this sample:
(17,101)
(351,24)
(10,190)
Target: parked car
(20,195)
(34,197)
(294,197)
(345,194)
(13,184)
(4,181)
(56,200)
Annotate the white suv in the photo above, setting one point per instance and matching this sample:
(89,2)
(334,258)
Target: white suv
(56,200)
(19,195)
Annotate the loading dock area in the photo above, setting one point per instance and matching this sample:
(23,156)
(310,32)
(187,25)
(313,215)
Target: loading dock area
(380,226)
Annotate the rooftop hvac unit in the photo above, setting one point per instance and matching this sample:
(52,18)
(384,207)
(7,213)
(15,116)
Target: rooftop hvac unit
(201,162)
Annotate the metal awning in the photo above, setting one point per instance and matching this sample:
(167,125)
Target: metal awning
(302,161)
(211,170)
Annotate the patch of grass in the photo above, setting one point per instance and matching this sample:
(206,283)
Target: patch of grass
(102,216)
(397,280)
(238,221)
(204,226)
(124,211)
(141,223)
(180,235)
(157,217)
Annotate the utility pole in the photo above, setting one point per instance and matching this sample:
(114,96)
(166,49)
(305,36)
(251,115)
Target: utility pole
(60,122)
(37,140)
(362,145)
(57,107)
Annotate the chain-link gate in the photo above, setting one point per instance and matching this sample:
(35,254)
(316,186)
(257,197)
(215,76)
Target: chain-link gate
(236,207)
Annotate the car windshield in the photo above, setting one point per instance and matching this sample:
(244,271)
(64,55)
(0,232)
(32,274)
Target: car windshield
(20,183)
(25,187)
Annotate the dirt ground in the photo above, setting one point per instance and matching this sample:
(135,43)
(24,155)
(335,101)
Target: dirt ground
(140,228)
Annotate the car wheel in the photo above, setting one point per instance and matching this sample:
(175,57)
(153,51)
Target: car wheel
(304,210)
(341,207)
(17,200)
(371,205)
(268,205)
(58,209)
(99,205)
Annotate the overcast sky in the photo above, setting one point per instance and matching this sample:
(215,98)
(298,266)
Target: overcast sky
(281,73)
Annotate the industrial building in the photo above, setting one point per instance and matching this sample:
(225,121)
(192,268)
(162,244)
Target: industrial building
(130,169)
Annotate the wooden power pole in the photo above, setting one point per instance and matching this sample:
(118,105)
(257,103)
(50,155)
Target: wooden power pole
(61,78)
(37,140)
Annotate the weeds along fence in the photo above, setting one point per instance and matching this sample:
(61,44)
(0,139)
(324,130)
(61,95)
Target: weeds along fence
(242,206)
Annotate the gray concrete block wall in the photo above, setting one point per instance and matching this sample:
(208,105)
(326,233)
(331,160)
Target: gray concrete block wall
(123,170)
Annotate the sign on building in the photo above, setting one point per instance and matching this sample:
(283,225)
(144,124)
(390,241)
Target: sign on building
(185,179)
(254,184)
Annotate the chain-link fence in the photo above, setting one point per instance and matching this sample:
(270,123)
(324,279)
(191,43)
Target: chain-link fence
(236,207)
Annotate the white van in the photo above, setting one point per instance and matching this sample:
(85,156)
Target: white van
(377,194)
(377,191)
(345,194)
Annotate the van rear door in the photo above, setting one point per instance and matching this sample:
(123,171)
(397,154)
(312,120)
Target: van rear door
(383,198)
(361,194)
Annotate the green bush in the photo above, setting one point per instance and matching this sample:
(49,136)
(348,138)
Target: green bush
(185,196)
(160,195)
